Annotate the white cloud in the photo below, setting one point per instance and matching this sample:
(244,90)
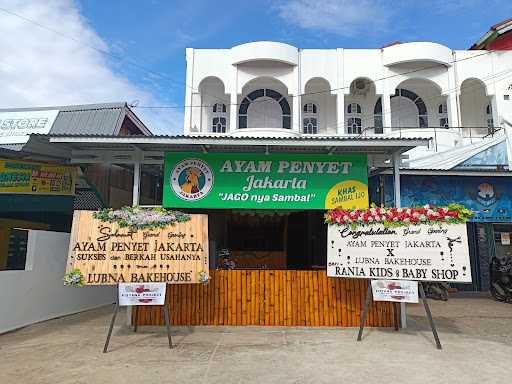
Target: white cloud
(341,17)
(41,68)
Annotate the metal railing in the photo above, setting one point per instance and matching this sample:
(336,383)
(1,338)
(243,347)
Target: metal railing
(468,134)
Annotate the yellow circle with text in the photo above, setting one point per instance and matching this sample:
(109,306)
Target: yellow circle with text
(347,195)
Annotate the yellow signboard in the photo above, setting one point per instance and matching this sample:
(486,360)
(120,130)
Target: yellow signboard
(36,178)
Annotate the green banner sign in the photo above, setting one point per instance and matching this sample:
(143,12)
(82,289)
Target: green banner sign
(259,181)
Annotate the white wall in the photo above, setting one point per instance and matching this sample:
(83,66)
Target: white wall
(38,293)
(325,102)
(387,68)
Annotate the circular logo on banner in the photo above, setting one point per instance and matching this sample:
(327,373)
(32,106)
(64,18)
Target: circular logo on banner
(191,179)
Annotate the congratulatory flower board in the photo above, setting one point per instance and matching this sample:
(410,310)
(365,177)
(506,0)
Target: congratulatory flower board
(135,245)
(422,243)
(261,181)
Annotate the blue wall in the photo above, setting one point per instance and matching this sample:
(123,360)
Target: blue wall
(489,197)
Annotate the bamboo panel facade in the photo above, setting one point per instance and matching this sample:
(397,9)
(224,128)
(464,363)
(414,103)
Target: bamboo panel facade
(269,297)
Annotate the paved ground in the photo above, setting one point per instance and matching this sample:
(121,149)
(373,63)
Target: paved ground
(476,334)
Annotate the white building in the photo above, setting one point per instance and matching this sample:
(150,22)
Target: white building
(419,89)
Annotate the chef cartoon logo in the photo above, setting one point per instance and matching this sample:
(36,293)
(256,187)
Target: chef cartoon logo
(191,179)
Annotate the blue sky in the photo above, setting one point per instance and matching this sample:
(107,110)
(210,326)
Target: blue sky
(157,32)
(154,34)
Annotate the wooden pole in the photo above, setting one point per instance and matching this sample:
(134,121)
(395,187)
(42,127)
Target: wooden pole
(429,316)
(365,311)
(116,309)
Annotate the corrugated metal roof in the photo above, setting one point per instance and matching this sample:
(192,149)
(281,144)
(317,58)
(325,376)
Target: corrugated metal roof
(101,121)
(85,119)
(454,156)
(223,137)
(122,149)
(67,108)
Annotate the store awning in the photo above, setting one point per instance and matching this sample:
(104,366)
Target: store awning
(86,149)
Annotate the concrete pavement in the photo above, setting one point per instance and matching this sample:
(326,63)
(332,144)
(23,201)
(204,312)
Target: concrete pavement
(476,333)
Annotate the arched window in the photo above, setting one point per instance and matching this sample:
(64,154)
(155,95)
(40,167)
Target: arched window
(420,105)
(310,120)
(377,117)
(490,120)
(268,97)
(442,111)
(219,108)
(354,108)
(354,122)
(219,118)
(310,108)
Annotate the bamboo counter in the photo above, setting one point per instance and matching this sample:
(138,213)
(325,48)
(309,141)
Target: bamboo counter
(269,297)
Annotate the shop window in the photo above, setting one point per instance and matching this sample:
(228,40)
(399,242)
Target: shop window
(269,239)
(354,122)
(16,256)
(490,120)
(257,241)
(377,117)
(219,125)
(310,108)
(151,188)
(310,126)
(442,111)
(354,125)
(354,108)
(219,118)
(219,108)
(310,121)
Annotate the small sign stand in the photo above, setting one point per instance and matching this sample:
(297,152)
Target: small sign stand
(395,314)
(116,310)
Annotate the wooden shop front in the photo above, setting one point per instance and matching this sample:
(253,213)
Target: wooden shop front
(267,240)
(269,297)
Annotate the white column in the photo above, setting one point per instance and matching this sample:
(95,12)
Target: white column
(187,114)
(233,111)
(136,181)
(340,95)
(232,86)
(452,96)
(398,204)
(453,115)
(295,88)
(496,97)
(296,114)
(496,109)
(340,112)
(386,113)
(197,99)
(135,201)
(396,179)
(387,91)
